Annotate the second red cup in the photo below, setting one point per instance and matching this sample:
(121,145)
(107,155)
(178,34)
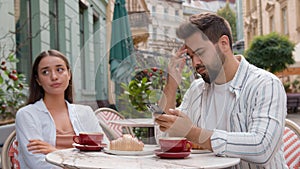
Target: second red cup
(88,138)
(175,144)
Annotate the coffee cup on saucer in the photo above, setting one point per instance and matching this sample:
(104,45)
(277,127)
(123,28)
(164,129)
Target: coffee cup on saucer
(85,138)
(174,144)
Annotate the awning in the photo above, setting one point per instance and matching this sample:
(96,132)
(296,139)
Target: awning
(121,58)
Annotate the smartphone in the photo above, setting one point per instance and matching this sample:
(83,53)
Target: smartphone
(154,108)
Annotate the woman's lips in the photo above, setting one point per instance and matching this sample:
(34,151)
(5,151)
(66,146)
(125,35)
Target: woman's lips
(55,85)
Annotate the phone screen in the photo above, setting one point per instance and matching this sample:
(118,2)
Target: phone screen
(154,108)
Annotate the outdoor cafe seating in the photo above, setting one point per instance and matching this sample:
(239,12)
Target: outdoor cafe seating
(293,102)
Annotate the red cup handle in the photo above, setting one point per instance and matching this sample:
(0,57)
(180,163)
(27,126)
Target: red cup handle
(188,146)
(76,139)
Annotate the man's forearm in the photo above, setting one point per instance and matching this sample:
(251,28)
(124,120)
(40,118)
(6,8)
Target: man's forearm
(200,136)
(168,100)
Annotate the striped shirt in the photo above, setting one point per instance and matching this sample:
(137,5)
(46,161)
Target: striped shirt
(256,118)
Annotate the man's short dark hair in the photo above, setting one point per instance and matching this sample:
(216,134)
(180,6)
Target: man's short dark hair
(212,25)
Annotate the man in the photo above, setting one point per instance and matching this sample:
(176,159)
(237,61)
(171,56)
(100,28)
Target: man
(235,109)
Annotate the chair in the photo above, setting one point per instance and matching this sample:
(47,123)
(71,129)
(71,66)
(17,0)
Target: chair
(111,134)
(105,115)
(10,152)
(291,139)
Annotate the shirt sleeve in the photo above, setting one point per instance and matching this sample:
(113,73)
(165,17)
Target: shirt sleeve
(28,127)
(257,128)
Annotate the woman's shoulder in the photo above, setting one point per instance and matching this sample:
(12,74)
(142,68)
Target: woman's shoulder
(26,109)
(28,112)
(81,106)
(82,109)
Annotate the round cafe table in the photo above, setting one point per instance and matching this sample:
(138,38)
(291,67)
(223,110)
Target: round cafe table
(74,158)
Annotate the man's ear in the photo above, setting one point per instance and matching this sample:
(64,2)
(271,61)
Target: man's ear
(224,43)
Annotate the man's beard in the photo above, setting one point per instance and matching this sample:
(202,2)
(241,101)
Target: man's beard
(212,71)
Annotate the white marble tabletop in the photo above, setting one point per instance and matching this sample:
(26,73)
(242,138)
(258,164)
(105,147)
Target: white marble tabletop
(73,158)
(138,122)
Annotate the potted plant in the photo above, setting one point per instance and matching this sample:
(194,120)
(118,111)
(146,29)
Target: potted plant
(13,89)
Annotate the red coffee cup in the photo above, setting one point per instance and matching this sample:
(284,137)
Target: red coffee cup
(88,138)
(175,144)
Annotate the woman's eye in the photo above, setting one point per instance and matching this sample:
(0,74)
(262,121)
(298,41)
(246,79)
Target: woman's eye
(45,72)
(60,69)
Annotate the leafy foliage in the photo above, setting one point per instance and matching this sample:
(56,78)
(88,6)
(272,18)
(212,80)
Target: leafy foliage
(227,13)
(147,87)
(272,52)
(13,90)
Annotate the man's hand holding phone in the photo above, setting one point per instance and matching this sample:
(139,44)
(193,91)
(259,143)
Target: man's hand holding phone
(155,109)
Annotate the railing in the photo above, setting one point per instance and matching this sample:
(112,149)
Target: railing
(139,19)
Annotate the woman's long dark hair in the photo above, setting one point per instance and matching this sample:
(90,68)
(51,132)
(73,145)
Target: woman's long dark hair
(36,92)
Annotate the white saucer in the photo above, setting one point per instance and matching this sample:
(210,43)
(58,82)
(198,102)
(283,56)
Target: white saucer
(148,150)
(195,151)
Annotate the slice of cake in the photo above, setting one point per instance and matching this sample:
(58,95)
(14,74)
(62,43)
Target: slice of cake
(126,143)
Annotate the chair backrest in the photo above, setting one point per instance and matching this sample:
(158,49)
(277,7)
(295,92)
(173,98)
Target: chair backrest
(9,155)
(291,139)
(110,134)
(105,115)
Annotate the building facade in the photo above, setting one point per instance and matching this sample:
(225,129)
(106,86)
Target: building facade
(166,15)
(263,17)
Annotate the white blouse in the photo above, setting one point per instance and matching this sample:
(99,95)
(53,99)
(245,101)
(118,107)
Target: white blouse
(34,121)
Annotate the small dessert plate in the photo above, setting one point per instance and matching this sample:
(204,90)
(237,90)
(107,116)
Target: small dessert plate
(148,150)
(174,155)
(196,151)
(89,147)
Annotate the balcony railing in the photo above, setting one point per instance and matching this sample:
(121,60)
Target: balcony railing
(139,19)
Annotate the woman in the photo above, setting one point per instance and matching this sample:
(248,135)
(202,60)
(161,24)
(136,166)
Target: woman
(50,120)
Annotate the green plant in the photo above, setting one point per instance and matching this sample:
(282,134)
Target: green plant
(287,86)
(227,13)
(272,52)
(147,87)
(13,89)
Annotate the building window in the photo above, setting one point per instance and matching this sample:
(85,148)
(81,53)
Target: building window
(247,7)
(272,24)
(176,12)
(166,10)
(82,11)
(153,10)
(154,34)
(23,36)
(254,32)
(253,5)
(97,38)
(166,13)
(53,14)
(166,33)
(284,21)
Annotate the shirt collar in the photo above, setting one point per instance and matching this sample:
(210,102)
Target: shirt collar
(41,106)
(238,80)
